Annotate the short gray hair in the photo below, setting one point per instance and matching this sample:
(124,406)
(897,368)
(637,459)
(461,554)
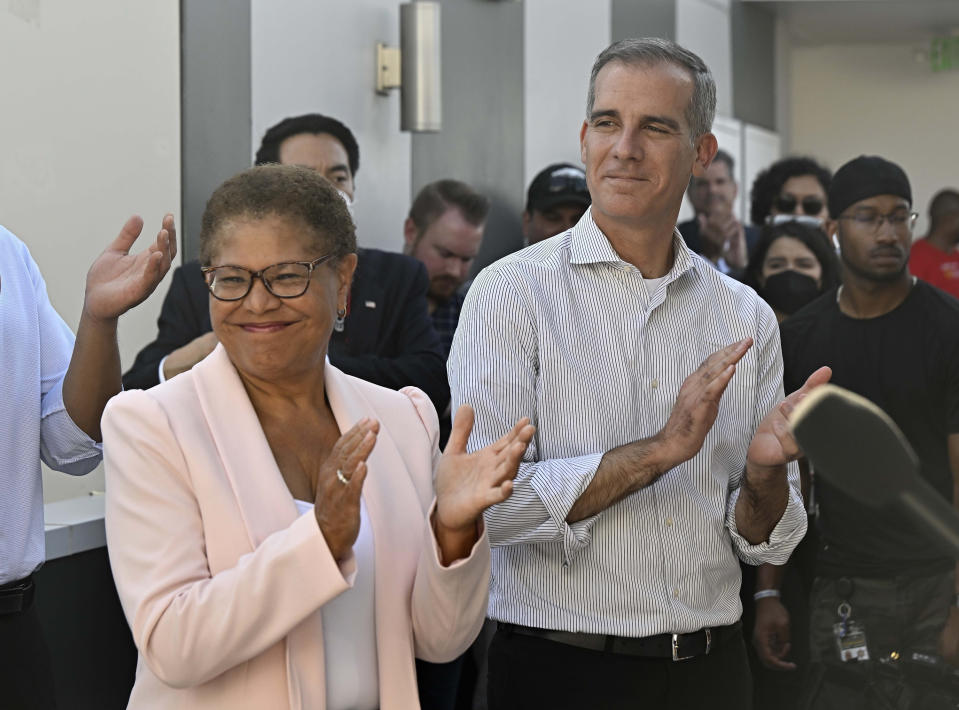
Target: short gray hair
(649,51)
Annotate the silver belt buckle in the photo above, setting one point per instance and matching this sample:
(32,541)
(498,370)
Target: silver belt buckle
(677,657)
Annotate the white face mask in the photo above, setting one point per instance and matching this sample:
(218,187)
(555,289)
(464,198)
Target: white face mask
(348,201)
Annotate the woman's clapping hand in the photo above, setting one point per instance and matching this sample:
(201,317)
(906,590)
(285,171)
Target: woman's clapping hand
(467,484)
(338,487)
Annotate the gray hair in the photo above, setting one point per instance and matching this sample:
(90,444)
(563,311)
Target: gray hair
(648,51)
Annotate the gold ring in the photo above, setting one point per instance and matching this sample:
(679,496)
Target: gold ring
(341,478)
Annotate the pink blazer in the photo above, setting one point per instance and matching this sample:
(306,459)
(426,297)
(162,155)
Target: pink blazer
(222,581)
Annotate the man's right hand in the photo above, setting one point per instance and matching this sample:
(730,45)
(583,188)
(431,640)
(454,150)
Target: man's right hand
(183,359)
(771,634)
(698,404)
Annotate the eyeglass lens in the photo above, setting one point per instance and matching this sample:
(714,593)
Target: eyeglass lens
(282,280)
(897,219)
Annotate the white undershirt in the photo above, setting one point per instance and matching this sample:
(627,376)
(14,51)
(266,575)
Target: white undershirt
(349,631)
(652,285)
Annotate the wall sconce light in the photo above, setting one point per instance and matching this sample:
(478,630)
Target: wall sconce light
(414,67)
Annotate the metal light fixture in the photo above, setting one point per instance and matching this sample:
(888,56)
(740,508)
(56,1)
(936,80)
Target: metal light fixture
(414,67)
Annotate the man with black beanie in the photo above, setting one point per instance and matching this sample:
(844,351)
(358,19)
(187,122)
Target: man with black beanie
(881,587)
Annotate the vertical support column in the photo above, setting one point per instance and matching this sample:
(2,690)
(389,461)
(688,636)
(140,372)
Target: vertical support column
(482,138)
(216,105)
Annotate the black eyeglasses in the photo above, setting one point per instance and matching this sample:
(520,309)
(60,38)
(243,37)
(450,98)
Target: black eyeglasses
(810,205)
(288,279)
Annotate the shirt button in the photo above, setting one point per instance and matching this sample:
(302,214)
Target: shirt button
(669,522)
(676,593)
(654,383)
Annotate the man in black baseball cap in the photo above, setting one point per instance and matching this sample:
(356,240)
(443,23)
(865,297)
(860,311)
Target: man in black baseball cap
(894,341)
(556,199)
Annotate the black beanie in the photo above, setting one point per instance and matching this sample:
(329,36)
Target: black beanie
(866,176)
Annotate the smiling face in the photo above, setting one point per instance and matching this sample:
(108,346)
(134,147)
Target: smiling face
(714,188)
(272,338)
(637,148)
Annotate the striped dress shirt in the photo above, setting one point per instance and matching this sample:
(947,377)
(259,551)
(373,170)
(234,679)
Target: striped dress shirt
(567,333)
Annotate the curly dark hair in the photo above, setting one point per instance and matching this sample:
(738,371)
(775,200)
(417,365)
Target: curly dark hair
(288,191)
(770,181)
(815,240)
(315,123)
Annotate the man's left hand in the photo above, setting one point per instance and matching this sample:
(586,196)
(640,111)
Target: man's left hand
(773,444)
(949,639)
(118,280)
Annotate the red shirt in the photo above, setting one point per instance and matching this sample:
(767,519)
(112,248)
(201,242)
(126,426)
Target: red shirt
(935,266)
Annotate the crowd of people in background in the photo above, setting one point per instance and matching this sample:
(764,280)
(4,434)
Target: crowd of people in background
(657,538)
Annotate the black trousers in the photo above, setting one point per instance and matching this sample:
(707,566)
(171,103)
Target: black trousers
(26,672)
(529,672)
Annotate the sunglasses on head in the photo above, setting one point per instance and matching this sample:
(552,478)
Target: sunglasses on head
(567,180)
(810,205)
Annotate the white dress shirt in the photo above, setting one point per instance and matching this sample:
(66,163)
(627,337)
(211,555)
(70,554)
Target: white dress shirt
(567,333)
(35,350)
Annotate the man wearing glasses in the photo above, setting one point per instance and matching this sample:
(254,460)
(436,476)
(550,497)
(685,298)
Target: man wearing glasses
(895,340)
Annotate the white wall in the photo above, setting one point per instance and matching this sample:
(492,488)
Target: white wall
(90,134)
(556,76)
(876,99)
(703,27)
(310,56)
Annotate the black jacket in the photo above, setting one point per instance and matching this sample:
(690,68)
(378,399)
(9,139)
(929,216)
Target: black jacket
(388,339)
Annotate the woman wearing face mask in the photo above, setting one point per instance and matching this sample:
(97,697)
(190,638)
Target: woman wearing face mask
(792,264)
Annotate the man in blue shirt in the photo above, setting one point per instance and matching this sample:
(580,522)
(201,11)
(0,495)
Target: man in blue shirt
(52,392)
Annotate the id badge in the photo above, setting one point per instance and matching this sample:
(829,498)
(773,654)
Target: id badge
(850,641)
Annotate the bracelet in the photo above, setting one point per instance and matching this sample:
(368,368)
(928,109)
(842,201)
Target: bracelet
(766,593)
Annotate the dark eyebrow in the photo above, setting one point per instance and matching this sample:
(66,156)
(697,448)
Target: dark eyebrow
(610,113)
(664,120)
(338,168)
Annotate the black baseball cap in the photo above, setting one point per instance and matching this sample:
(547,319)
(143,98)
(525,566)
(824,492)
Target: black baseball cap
(558,184)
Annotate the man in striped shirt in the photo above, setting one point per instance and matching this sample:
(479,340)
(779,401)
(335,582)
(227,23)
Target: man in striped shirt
(661,451)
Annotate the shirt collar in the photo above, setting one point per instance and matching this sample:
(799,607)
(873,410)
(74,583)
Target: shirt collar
(590,246)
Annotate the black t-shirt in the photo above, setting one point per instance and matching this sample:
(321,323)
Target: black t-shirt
(907,363)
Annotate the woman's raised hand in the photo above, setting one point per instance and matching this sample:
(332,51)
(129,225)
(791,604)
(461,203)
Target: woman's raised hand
(468,484)
(338,487)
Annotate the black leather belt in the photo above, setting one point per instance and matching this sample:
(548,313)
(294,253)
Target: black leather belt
(16,596)
(678,647)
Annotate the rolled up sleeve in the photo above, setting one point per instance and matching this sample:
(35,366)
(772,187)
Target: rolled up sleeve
(493,367)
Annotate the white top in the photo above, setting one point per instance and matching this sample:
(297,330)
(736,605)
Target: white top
(35,348)
(349,631)
(569,334)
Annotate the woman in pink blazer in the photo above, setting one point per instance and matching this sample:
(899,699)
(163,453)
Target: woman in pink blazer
(284,535)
